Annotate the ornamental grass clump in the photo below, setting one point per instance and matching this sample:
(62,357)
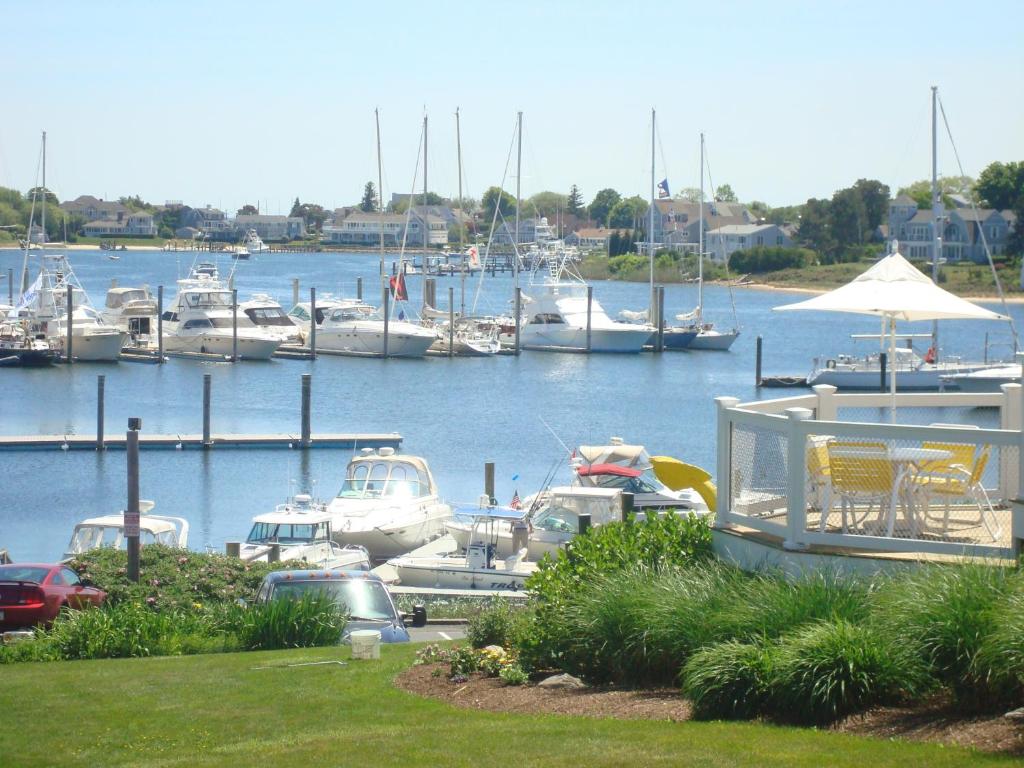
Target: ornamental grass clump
(731,680)
(313,620)
(1000,658)
(830,669)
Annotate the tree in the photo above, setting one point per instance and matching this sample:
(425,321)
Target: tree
(689,194)
(847,218)
(136,203)
(814,230)
(628,213)
(37,192)
(403,203)
(602,205)
(369,201)
(296,208)
(247,210)
(921,191)
(497,197)
(547,204)
(874,196)
(1001,185)
(724,194)
(574,202)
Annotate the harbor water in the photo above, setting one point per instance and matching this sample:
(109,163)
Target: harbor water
(524,413)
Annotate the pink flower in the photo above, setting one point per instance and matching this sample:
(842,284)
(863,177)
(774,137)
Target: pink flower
(150,601)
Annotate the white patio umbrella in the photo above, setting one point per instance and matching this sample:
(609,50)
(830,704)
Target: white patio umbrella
(895,290)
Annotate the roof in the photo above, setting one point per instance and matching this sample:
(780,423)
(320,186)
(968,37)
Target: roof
(387,218)
(319,575)
(740,229)
(608,469)
(490,513)
(904,200)
(263,218)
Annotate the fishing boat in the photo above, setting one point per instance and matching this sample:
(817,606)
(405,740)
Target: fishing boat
(300,529)
(479,567)
(389,504)
(253,243)
(18,348)
(109,531)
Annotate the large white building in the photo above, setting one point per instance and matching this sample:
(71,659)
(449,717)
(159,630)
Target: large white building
(720,243)
(271,227)
(365,229)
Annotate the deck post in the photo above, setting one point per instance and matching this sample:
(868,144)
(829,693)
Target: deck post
(131,513)
(234,325)
(312,323)
(451,321)
(796,470)
(100,386)
(1010,418)
(519,311)
(489,481)
(1020,446)
(723,461)
(160,323)
(883,359)
(758,349)
(359,288)
(206,410)
(71,311)
(295,291)
(307,387)
(590,302)
(826,409)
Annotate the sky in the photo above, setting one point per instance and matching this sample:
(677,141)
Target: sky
(228,103)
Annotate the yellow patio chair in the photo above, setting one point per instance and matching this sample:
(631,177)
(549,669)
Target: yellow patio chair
(958,477)
(819,477)
(860,472)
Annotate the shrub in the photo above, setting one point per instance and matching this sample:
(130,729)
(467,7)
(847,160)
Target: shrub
(945,613)
(1000,657)
(770,258)
(313,620)
(513,674)
(730,680)
(499,623)
(828,670)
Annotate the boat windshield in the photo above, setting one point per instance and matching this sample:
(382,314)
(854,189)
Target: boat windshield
(288,533)
(88,537)
(383,480)
(268,316)
(557,519)
(353,313)
(627,484)
(361,598)
(208,298)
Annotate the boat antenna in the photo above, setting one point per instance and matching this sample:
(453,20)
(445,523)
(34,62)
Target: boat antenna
(981,231)
(546,484)
(554,435)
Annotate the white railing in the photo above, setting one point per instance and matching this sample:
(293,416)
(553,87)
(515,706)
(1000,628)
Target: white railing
(764,469)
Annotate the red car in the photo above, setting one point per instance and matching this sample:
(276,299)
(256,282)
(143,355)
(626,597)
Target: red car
(33,593)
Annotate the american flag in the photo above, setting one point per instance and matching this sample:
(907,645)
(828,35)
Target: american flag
(515,503)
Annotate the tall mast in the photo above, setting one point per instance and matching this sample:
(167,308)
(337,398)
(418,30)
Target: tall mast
(650,227)
(700,237)
(380,191)
(462,245)
(44,198)
(937,214)
(426,225)
(519,176)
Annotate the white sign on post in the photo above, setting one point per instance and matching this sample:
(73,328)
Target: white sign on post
(131,524)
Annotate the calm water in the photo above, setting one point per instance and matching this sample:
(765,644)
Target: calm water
(457,413)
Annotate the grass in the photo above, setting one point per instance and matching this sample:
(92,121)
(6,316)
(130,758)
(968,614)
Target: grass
(225,710)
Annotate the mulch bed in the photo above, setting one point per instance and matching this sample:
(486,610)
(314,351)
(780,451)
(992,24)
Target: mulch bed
(936,723)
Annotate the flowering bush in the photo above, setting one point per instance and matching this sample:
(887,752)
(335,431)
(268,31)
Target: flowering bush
(463,661)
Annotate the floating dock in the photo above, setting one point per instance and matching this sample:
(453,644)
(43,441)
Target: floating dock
(180,442)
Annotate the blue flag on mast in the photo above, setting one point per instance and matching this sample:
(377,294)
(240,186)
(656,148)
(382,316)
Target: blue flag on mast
(663,189)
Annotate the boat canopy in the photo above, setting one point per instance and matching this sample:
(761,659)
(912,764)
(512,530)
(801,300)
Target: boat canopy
(612,454)
(608,469)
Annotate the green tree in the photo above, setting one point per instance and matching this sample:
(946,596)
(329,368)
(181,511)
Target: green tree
(136,203)
(247,210)
(874,196)
(628,213)
(574,202)
(602,204)
(313,214)
(37,192)
(724,194)
(814,230)
(11,197)
(921,191)
(497,197)
(296,208)
(1001,185)
(547,204)
(689,194)
(369,202)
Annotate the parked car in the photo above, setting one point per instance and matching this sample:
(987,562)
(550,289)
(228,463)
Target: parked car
(363,595)
(32,594)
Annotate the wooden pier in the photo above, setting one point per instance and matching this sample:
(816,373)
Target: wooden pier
(191,441)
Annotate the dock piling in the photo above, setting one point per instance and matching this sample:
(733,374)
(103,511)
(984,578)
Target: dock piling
(882,363)
(584,521)
(359,288)
(307,387)
(10,287)
(590,303)
(627,506)
(160,323)
(312,323)
(295,291)
(233,548)
(234,325)
(131,514)
(758,349)
(451,321)
(274,554)
(101,381)
(489,481)
(71,311)
(387,314)
(206,410)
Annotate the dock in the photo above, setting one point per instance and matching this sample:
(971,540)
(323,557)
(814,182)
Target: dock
(191,441)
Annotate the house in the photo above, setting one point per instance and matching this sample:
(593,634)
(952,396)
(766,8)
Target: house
(964,232)
(590,239)
(677,222)
(127,224)
(721,242)
(271,227)
(210,221)
(93,208)
(365,229)
(531,230)
(452,216)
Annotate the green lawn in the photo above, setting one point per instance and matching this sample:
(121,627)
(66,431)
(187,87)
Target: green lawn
(221,710)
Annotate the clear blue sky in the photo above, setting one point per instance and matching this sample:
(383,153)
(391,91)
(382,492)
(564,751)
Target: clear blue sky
(227,103)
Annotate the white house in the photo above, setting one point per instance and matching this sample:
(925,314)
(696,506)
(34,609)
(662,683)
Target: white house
(722,242)
(271,227)
(129,224)
(360,228)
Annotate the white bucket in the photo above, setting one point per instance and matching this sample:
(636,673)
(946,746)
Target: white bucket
(365,643)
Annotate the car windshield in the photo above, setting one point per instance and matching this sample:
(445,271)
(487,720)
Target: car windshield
(23,573)
(362,598)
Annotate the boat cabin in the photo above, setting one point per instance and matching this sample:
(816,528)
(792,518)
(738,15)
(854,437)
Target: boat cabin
(298,522)
(384,474)
(567,504)
(108,531)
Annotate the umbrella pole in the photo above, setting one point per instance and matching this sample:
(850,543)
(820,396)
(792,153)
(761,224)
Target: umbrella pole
(892,369)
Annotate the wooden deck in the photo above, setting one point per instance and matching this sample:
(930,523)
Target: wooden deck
(217,440)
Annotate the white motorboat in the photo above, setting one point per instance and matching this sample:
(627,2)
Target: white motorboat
(552,517)
(132,310)
(202,320)
(108,531)
(351,327)
(388,504)
(253,243)
(985,380)
(301,530)
(912,371)
(556,317)
(478,567)
(262,311)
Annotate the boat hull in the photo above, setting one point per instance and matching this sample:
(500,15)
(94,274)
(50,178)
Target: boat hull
(555,338)
(27,358)
(921,379)
(97,348)
(435,573)
(394,537)
(714,341)
(216,344)
(370,342)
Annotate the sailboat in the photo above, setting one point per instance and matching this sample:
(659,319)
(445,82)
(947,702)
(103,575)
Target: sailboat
(708,338)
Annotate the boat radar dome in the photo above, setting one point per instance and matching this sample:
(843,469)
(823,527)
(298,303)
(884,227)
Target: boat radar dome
(302,499)
(386,452)
(366,452)
(615,441)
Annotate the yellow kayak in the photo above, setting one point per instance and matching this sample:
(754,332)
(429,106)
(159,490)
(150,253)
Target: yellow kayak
(679,475)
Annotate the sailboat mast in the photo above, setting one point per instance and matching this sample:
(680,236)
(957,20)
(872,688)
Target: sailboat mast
(700,237)
(462,244)
(426,224)
(380,192)
(519,197)
(44,197)
(936,214)
(650,227)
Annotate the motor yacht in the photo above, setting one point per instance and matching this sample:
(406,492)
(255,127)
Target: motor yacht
(202,320)
(253,243)
(301,530)
(351,327)
(132,310)
(108,531)
(262,311)
(388,504)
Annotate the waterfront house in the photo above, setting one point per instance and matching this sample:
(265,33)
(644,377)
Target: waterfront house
(590,238)
(964,230)
(210,221)
(126,224)
(361,228)
(93,208)
(271,227)
(677,222)
(721,242)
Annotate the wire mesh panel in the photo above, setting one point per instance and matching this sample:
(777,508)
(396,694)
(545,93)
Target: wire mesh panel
(758,472)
